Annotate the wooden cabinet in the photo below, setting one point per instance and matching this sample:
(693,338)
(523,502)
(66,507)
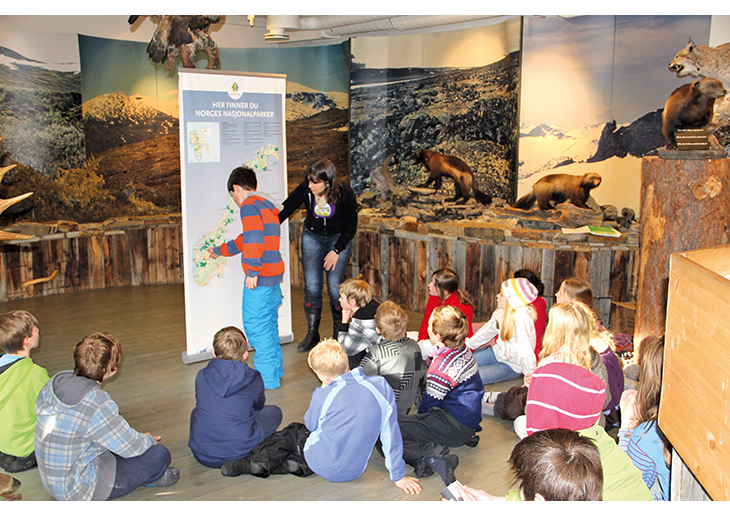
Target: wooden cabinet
(694,412)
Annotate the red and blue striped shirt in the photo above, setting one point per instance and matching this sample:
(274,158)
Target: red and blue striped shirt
(258,242)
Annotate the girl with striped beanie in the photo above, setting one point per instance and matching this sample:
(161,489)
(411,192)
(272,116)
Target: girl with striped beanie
(513,324)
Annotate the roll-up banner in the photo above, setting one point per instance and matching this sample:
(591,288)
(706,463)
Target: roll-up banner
(227,120)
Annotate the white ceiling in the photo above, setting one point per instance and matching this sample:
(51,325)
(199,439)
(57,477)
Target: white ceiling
(235,31)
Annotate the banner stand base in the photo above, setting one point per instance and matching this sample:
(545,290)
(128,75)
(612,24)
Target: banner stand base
(196,357)
(208,355)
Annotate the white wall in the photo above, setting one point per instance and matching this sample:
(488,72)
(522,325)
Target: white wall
(233,32)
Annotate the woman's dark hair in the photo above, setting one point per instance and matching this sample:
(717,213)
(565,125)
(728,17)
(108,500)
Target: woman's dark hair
(532,278)
(324,171)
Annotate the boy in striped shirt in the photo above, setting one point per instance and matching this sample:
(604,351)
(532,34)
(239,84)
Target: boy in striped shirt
(261,260)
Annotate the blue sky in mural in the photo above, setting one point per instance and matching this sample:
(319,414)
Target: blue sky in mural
(110,65)
(586,70)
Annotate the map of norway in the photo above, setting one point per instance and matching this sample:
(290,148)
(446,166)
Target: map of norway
(205,269)
(204,142)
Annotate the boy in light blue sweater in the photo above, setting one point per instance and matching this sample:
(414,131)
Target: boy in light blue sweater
(347,416)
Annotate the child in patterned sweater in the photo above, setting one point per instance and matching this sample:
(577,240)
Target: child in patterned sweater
(450,412)
(396,357)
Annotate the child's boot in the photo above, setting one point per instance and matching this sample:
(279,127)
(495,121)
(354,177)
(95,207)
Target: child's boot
(244,466)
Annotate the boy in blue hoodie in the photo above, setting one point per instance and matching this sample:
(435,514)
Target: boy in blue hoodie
(230,416)
(348,414)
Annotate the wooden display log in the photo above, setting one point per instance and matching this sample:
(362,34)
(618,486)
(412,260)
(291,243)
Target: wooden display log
(685,205)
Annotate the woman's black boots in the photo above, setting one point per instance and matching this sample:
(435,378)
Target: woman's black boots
(336,321)
(313,316)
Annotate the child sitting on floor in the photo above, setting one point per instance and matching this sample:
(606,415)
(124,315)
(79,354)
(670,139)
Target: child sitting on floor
(348,414)
(450,412)
(552,465)
(513,323)
(640,436)
(85,449)
(230,416)
(357,331)
(396,358)
(20,382)
(443,290)
(568,396)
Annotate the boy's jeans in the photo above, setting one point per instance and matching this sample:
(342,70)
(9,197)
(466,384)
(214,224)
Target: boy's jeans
(141,470)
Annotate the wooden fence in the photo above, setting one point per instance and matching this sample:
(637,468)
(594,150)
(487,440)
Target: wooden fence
(132,252)
(397,258)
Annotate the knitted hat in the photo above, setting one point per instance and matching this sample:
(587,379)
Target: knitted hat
(563,395)
(519,292)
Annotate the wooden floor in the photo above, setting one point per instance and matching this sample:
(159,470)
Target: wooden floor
(155,393)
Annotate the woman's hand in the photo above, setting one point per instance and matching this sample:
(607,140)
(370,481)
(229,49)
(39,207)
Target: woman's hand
(330,260)
(476,495)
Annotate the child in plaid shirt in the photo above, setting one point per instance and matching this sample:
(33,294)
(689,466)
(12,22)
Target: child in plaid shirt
(357,333)
(85,449)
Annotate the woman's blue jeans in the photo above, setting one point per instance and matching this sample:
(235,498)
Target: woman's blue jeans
(314,249)
(490,370)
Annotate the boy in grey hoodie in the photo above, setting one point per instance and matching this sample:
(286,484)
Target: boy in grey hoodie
(85,449)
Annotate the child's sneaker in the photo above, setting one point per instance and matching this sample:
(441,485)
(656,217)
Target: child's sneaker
(490,397)
(170,477)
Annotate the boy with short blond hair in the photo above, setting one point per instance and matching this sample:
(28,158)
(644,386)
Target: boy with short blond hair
(357,332)
(20,382)
(85,449)
(230,415)
(397,358)
(348,414)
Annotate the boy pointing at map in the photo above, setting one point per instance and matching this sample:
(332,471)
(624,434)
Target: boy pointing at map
(258,245)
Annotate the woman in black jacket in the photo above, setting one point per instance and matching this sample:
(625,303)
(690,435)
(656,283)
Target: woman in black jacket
(329,227)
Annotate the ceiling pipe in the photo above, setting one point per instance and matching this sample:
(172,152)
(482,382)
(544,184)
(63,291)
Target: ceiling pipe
(323,27)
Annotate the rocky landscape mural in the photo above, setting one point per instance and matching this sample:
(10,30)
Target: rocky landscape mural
(117,153)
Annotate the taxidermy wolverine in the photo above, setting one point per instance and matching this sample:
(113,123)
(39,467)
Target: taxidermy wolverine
(559,188)
(443,165)
(691,105)
(182,36)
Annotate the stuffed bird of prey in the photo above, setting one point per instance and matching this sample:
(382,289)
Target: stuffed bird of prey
(182,36)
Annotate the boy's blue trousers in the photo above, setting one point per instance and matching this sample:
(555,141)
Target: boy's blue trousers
(260,312)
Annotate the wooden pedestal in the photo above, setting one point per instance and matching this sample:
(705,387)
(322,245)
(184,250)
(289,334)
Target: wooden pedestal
(685,205)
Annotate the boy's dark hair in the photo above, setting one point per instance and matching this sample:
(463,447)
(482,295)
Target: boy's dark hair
(15,327)
(243,177)
(229,343)
(97,354)
(559,464)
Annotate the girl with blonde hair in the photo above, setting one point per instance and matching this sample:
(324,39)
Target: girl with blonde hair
(567,339)
(513,323)
(577,289)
